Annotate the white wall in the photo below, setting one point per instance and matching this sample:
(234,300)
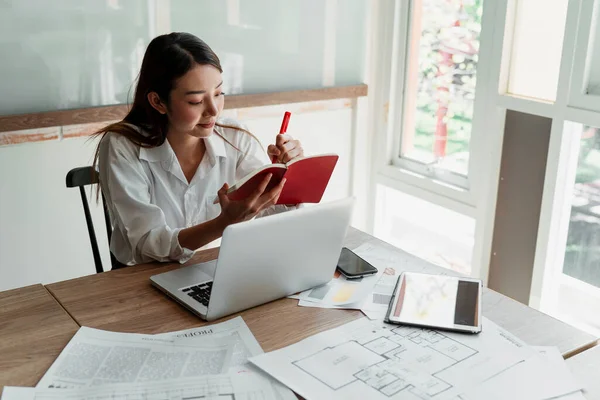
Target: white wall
(43,235)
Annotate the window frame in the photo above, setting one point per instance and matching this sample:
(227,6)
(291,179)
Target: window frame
(431,170)
(477,197)
(435,183)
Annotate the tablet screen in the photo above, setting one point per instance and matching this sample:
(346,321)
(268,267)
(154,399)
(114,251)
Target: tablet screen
(437,301)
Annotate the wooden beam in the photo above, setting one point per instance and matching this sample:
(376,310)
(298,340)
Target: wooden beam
(110,113)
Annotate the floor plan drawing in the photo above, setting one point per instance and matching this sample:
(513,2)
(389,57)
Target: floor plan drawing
(371,359)
(381,362)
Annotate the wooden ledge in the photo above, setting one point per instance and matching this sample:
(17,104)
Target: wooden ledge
(111,113)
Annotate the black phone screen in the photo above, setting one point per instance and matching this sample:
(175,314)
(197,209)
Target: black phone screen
(352,265)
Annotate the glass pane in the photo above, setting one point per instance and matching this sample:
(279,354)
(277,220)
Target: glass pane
(424,229)
(440,82)
(593,55)
(536,48)
(582,258)
(579,286)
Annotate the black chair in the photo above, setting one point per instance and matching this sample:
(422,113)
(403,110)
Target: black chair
(81,177)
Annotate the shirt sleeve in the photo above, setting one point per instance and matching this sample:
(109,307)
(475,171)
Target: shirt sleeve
(254,156)
(127,190)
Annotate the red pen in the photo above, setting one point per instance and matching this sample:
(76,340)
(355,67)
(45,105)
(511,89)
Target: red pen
(284,125)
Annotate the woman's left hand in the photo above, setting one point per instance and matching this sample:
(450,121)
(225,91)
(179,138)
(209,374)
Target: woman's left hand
(285,149)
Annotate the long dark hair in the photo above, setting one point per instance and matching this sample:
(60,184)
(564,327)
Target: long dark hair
(167,58)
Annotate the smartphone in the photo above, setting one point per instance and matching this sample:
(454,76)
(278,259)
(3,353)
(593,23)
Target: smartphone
(352,266)
(436,301)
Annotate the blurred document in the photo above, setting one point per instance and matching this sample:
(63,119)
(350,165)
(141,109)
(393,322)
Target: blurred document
(17,393)
(244,347)
(543,376)
(390,265)
(350,306)
(94,357)
(338,293)
(248,386)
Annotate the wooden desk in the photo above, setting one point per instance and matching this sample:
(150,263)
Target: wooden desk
(34,329)
(586,369)
(124,301)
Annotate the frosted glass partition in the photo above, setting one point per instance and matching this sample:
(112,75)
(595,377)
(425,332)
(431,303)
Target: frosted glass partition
(67,54)
(537,48)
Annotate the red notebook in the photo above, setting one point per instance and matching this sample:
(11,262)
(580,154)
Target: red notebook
(306,179)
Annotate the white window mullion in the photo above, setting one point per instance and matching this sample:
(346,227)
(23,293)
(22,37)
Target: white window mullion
(559,176)
(561,168)
(487,146)
(385,17)
(397,103)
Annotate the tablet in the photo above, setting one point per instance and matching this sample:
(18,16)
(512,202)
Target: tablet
(436,301)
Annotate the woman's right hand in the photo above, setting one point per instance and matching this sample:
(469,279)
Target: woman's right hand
(237,211)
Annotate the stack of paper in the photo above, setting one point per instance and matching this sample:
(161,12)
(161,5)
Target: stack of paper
(370,294)
(373,360)
(542,376)
(390,267)
(338,293)
(199,361)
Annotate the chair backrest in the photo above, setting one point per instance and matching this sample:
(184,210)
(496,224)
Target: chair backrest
(81,177)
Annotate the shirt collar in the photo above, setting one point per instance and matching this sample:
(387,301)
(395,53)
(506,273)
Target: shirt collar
(164,152)
(215,147)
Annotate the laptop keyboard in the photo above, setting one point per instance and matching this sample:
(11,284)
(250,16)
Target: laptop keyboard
(200,293)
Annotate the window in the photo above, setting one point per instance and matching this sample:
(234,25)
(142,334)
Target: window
(582,258)
(439,92)
(585,79)
(579,283)
(427,230)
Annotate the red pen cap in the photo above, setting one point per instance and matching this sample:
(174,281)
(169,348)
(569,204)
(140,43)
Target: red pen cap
(284,123)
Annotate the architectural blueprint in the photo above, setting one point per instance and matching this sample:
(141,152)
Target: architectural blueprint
(232,386)
(374,360)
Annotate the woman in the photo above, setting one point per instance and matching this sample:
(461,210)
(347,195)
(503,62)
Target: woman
(163,164)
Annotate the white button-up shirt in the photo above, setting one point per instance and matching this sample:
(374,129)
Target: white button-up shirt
(150,200)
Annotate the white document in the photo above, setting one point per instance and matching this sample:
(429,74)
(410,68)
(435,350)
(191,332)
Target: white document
(339,292)
(248,386)
(543,376)
(371,294)
(574,396)
(244,346)
(389,266)
(351,306)
(373,360)
(18,393)
(94,357)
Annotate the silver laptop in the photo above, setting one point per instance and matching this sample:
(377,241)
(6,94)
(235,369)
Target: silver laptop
(262,260)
